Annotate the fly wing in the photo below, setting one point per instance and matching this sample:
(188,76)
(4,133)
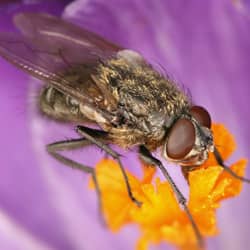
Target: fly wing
(49,46)
(50,31)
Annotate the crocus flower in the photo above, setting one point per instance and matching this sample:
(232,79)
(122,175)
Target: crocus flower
(204,45)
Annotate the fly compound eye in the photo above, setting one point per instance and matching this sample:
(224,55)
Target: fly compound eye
(181,139)
(201,115)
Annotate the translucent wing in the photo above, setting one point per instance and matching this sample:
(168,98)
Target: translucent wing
(52,32)
(48,46)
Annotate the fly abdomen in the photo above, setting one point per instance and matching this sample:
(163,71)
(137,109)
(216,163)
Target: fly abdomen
(59,106)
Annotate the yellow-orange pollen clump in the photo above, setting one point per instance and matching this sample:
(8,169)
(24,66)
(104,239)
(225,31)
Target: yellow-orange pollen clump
(160,218)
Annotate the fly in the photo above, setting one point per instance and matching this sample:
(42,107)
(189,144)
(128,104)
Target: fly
(89,80)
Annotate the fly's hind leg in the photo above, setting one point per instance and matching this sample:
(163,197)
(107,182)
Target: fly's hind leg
(54,149)
(90,135)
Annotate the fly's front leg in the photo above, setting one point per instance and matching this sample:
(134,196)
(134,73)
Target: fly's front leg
(90,136)
(226,168)
(54,149)
(148,158)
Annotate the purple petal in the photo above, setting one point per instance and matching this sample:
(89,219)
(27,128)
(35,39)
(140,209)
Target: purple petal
(24,193)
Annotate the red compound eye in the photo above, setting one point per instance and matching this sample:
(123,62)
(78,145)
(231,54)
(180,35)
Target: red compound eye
(181,139)
(201,115)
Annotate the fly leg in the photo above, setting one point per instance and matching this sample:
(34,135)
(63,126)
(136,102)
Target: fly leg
(148,158)
(89,134)
(226,168)
(54,149)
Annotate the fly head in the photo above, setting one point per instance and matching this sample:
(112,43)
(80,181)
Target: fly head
(190,139)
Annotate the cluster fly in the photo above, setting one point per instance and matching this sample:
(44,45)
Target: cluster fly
(89,80)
